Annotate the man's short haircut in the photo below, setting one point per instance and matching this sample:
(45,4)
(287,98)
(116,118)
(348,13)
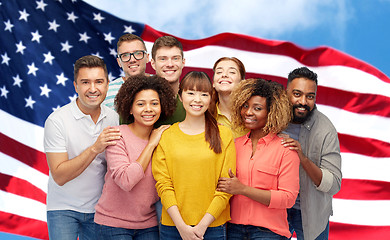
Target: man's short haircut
(166,41)
(89,61)
(128,37)
(302,72)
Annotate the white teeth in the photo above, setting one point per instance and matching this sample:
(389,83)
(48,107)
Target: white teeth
(92,96)
(301,109)
(248,120)
(133,66)
(224,82)
(196,107)
(148,117)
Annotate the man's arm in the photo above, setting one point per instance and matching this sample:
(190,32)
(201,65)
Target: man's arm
(64,170)
(312,170)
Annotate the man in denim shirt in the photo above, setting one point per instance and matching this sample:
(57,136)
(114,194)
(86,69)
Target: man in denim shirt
(315,139)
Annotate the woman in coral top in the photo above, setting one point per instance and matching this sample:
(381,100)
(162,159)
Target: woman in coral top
(267,181)
(126,208)
(187,163)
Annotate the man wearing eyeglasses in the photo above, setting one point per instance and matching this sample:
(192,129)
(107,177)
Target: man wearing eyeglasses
(132,58)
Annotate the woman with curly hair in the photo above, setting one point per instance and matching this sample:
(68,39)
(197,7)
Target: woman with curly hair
(126,208)
(267,181)
(189,159)
(228,73)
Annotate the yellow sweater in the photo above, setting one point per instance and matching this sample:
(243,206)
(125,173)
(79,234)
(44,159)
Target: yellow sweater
(222,119)
(187,173)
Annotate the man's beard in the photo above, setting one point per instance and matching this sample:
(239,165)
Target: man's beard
(301,119)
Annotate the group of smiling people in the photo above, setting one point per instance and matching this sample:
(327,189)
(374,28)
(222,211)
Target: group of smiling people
(192,163)
(211,152)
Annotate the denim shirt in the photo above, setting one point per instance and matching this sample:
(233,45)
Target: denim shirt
(319,142)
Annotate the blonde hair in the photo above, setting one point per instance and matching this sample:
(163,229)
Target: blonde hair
(278,105)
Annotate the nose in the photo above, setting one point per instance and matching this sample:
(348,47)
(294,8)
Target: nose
(147,107)
(169,62)
(92,87)
(197,97)
(248,111)
(302,100)
(224,74)
(132,58)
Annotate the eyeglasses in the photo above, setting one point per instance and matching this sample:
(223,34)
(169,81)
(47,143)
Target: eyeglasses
(138,55)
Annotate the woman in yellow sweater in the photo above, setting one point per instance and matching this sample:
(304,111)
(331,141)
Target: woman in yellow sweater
(190,158)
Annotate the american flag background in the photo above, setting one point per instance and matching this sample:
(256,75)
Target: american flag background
(40,41)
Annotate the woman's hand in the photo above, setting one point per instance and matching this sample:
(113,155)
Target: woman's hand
(230,185)
(201,227)
(155,135)
(146,156)
(188,232)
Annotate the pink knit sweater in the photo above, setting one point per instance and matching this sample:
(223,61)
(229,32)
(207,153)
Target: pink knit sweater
(129,194)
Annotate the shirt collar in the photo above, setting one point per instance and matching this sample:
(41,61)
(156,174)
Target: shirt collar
(266,140)
(78,114)
(218,111)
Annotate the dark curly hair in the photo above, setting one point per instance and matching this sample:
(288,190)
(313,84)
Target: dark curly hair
(135,84)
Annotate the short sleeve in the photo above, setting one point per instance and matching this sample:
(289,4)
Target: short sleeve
(54,136)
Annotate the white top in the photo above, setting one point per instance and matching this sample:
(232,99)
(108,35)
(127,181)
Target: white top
(113,88)
(69,130)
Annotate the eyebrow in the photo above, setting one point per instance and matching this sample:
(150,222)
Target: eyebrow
(143,100)
(296,90)
(258,104)
(140,50)
(171,56)
(89,79)
(254,104)
(228,68)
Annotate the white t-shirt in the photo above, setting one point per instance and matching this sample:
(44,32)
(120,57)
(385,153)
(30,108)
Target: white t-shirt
(69,130)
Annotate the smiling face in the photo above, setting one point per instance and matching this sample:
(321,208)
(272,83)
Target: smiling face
(254,113)
(91,86)
(168,63)
(195,102)
(302,94)
(146,108)
(133,66)
(226,76)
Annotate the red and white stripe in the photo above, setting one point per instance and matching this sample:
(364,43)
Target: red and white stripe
(23,178)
